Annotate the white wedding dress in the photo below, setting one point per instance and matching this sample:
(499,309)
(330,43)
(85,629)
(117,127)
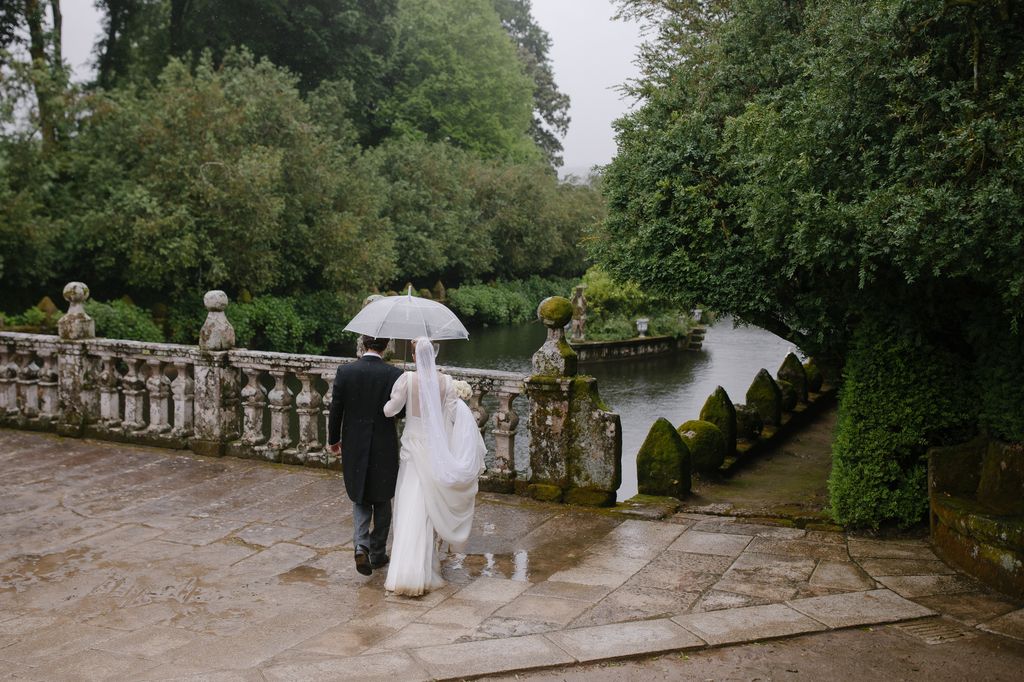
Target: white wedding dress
(441,459)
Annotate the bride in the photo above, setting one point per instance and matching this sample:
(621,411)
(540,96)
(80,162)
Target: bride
(440,461)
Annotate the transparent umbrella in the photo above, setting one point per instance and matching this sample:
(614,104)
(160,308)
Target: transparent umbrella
(407,317)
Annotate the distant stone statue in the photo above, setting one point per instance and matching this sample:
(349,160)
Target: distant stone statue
(579,313)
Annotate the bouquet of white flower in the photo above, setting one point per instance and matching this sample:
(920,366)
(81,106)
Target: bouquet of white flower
(462,389)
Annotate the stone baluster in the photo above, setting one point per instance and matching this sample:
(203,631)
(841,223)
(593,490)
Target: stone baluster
(307,405)
(134,389)
(110,399)
(8,382)
(28,385)
(182,392)
(280,400)
(216,383)
(477,408)
(76,397)
(331,460)
(502,475)
(48,386)
(254,401)
(159,388)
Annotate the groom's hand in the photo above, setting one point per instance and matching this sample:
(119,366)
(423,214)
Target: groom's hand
(335,448)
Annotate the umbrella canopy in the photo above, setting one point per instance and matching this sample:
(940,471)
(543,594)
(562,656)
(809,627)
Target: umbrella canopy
(407,317)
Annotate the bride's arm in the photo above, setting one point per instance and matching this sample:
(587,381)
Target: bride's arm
(450,397)
(398,393)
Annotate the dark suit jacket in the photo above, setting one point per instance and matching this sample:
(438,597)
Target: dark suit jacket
(369,441)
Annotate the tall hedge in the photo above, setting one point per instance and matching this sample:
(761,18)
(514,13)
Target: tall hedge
(898,397)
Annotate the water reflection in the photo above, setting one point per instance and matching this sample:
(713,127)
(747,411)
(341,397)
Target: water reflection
(640,390)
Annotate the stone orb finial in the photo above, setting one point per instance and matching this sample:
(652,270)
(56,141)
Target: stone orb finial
(555,311)
(76,293)
(217,332)
(216,301)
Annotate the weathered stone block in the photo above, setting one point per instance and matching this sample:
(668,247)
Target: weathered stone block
(589,497)
(556,357)
(748,423)
(217,332)
(719,410)
(792,371)
(76,324)
(705,443)
(663,462)
(789,395)
(815,379)
(765,397)
(544,492)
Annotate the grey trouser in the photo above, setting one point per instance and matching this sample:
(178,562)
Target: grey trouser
(377,540)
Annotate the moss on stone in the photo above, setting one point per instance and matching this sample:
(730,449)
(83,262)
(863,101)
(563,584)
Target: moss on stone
(719,410)
(589,497)
(544,492)
(706,444)
(555,311)
(663,462)
(765,397)
(748,423)
(789,395)
(792,371)
(815,379)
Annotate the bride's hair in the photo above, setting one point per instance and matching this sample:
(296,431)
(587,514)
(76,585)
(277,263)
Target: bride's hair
(434,344)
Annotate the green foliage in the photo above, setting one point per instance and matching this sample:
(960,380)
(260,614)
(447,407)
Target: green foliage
(220,179)
(613,308)
(310,324)
(458,79)
(719,410)
(504,302)
(706,444)
(663,462)
(898,398)
(123,320)
(1000,376)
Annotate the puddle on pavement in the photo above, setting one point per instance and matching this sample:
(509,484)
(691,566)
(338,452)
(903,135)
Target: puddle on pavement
(305,574)
(22,572)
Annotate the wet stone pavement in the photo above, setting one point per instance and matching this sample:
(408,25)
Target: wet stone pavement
(120,562)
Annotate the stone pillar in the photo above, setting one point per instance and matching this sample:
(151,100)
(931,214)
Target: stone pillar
(215,420)
(575,441)
(75,409)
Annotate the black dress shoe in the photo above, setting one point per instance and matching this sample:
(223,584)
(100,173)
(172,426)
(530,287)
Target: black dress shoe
(363,561)
(380,563)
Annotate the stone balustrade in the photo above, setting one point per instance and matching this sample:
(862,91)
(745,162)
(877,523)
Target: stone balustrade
(219,400)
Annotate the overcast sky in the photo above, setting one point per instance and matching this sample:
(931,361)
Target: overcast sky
(591,55)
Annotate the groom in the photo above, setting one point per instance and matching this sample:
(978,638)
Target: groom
(370,458)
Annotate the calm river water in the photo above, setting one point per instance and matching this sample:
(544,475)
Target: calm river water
(672,386)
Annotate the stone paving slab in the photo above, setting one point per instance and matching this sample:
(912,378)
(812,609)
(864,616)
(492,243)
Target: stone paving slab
(747,624)
(491,656)
(146,564)
(605,642)
(860,608)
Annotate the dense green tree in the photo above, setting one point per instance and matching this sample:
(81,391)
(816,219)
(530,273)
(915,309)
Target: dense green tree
(550,105)
(458,79)
(803,165)
(221,179)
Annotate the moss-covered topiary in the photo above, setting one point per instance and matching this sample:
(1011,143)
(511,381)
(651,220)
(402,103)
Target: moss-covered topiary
(792,371)
(719,410)
(663,462)
(789,395)
(748,423)
(705,443)
(815,379)
(765,397)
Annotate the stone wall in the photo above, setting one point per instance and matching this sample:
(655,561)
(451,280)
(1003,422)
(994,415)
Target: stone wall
(598,351)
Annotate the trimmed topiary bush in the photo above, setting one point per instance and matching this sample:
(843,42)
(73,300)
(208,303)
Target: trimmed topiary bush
(815,379)
(705,443)
(765,397)
(792,371)
(663,462)
(897,399)
(748,423)
(789,395)
(719,410)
